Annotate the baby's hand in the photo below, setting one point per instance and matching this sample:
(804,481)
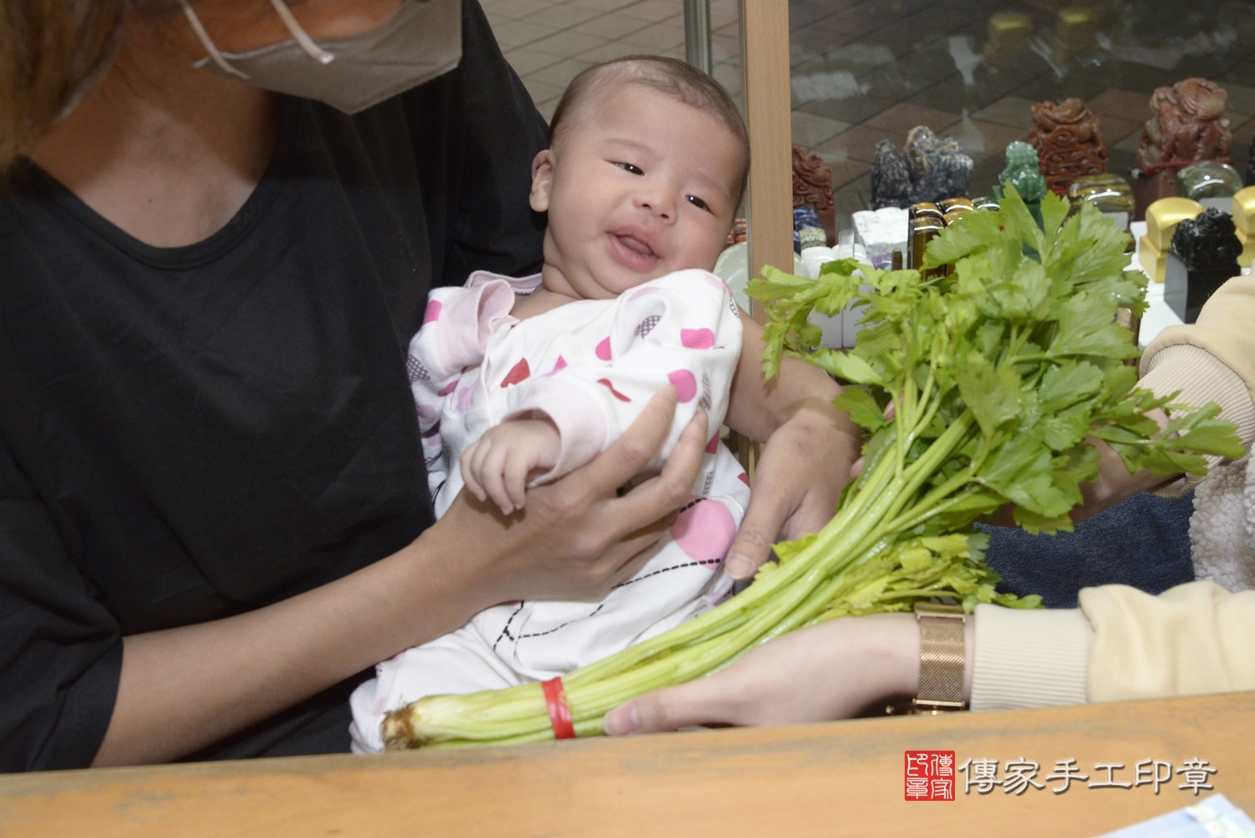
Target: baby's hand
(497,465)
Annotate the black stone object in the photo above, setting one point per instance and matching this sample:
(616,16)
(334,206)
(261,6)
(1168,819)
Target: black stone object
(1203,256)
(929,168)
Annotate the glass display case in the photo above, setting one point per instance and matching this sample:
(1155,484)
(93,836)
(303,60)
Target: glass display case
(864,72)
(1135,89)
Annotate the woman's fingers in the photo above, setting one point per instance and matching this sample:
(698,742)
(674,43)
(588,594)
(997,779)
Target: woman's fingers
(752,545)
(630,553)
(629,455)
(576,538)
(705,701)
(803,468)
(655,502)
(634,450)
(671,487)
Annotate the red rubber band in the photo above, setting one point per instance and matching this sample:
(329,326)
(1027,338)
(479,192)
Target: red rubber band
(559,710)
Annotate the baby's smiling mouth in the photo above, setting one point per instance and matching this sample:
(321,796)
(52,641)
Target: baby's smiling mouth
(632,248)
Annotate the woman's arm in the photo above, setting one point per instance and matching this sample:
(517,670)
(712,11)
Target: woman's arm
(810,447)
(1123,644)
(184,688)
(829,671)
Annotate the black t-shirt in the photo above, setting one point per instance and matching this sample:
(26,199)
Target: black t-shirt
(189,433)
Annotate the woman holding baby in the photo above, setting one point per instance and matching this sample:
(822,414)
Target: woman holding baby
(214,517)
(213,514)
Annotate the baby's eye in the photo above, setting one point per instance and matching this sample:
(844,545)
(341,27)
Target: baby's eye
(628,167)
(698,202)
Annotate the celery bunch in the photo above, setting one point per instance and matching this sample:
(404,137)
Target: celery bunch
(996,374)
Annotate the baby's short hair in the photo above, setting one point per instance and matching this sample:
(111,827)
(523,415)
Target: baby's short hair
(681,81)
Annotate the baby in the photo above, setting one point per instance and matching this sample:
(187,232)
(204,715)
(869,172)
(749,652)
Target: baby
(519,381)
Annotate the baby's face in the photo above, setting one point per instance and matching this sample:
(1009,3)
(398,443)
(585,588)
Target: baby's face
(640,185)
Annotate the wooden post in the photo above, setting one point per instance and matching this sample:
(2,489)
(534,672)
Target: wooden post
(765,66)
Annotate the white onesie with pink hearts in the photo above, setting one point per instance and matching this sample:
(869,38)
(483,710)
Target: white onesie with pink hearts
(589,366)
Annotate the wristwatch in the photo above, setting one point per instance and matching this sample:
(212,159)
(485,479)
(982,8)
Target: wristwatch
(942,656)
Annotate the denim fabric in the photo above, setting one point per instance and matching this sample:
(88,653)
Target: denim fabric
(1143,541)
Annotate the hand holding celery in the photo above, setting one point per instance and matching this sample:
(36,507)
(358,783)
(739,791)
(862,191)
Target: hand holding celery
(997,373)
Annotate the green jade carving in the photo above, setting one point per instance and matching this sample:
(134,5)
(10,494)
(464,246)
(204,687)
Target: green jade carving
(1023,172)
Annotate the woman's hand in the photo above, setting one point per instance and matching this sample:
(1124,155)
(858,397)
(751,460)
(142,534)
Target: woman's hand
(829,671)
(1114,482)
(799,479)
(576,538)
(805,465)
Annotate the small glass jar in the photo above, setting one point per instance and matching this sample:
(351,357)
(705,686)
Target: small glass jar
(924,228)
(949,204)
(924,208)
(1211,183)
(1111,194)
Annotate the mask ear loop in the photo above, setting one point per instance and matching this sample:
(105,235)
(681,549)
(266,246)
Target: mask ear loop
(207,43)
(307,43)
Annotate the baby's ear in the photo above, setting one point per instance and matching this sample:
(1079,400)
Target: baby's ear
(542,180)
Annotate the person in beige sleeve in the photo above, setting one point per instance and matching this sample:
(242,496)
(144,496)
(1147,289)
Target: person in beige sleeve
(1121,643)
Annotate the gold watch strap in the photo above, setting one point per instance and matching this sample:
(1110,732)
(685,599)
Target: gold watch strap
(942,656)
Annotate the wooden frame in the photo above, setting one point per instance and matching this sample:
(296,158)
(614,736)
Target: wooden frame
(768,105)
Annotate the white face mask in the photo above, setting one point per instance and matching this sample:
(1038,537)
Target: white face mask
(422,40)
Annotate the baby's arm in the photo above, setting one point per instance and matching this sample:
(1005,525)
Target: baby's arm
(680,330)
(456,328)
(499,463)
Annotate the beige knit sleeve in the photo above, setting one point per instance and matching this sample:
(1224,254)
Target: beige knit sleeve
(1029,658)
(1191,640)
(1223,329)
(1212,360)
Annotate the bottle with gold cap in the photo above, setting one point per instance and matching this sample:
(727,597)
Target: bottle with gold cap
(926,223)
(1109,193)
(948,204)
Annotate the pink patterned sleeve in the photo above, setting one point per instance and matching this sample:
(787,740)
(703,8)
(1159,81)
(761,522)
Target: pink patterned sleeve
(682,329)
(455,330)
